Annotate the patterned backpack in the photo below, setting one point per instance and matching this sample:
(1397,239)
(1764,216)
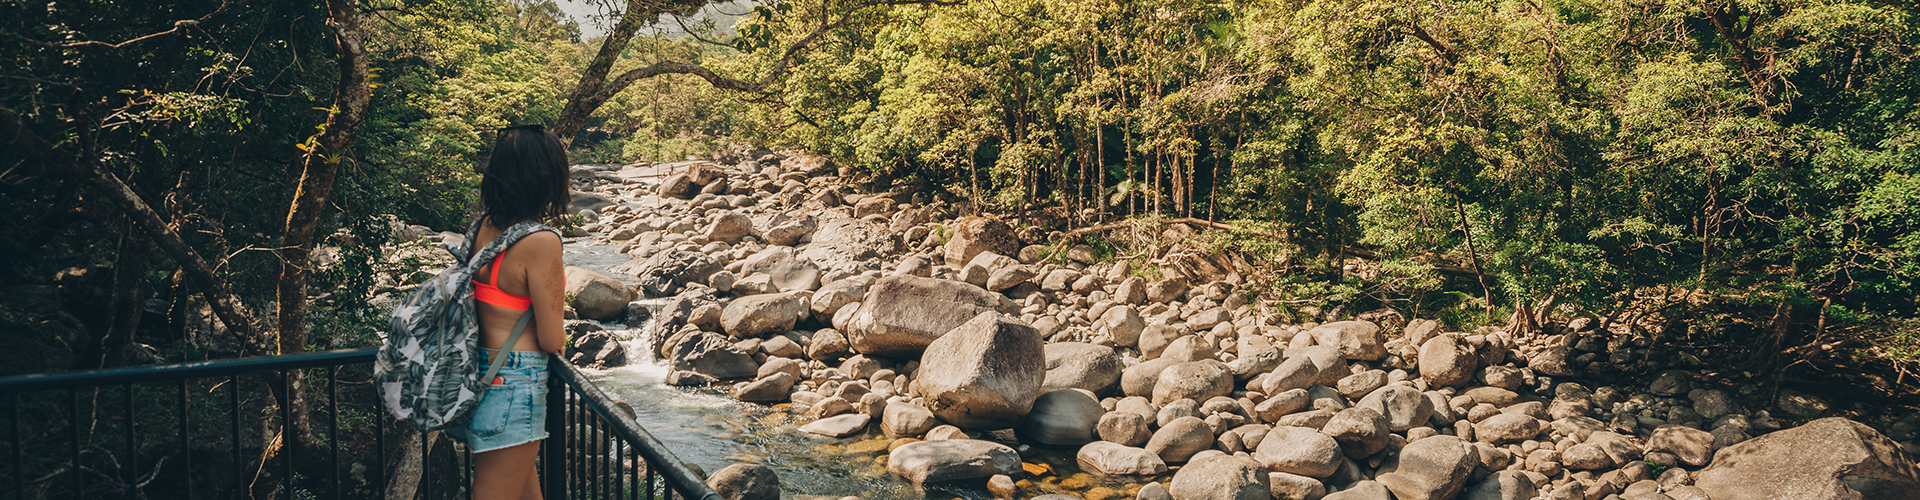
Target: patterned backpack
(428,368)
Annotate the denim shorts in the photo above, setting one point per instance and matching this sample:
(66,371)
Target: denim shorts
(514,410)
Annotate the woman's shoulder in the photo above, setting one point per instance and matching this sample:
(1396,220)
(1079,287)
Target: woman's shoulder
(540,241)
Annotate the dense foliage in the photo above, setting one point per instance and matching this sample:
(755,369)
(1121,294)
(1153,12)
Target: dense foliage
(1742,167)
(1752,161)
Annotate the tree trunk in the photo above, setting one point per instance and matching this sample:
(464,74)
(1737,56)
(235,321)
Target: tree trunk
(322,162)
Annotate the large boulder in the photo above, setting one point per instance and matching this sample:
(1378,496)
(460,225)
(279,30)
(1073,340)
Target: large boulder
(1065,417)
(950,460)
(1195,380)
(1503,485)
(1827,459)
(1180,439)
(1432,468)
(1404,406)
(787,271)
(1115,459)
(1221,477)
(906,420)
(1359,340)
(1139,379)
(1360,431)
(845,244)
(596,296)
(1510,427)
(904,314)
(745,482)
(712,355)
(1445,362)
(663,273)
(1079,365)
(583,200)
(1299,450)
(758,315)
(830,298)
(1123,324)
(1693,446)
(979,234)
(984,374)
(729,226)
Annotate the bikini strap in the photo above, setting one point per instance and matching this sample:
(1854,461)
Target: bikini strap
(494,277)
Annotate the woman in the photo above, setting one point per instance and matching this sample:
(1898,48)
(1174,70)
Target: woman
(526,180)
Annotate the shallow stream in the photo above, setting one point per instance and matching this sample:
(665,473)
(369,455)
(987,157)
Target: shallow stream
(706,428)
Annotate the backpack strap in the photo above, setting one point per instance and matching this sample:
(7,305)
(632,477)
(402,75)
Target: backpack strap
(493,368)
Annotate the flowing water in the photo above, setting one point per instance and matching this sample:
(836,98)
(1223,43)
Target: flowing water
(708,429)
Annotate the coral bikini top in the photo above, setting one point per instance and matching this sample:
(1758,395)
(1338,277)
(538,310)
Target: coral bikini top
(491,293)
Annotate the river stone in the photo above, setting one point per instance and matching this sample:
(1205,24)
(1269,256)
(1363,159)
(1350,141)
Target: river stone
(1140,379)
(749,317)
(1358,385)
(1284,486)
(1078,365)
(1433,468)
(1444,362)
(1196,380)
(904,314)
(663,273)
(1155,337)
(979,234)
(1221,477)
(1253,355)
(1123,324)
(712,355)
(1188,348)
(774,364)
(1296,372)
(745,482)
(827,345)
(1503,485)
(729,226)
(830,298)
(595,296)
(1585,457)
(1511,427)
(1115,459)
(984,374)
(1124,427)
(1299,450)
(906,420)
(1363,490)
(1360,431)
(1280,405)
(1693,446)
(838,427)
(950,460)
(770,389)
(1180,439)
(1167,290)
(1404,406)
(1009,277)
(787,271)
(1359,340)
(1065,417)
(1827,459)
(1327,359)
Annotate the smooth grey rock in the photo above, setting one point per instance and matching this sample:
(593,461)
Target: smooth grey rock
(749,317)
(1693,446)
(1827,459)
(1114,459)
(1140,379)
(1503,485)
(984,374)
(1065,417)
(596,296)
(1284,486)
(745,482)
(1299,450)
(1434,468)
(1078,365)
(1360,431)
(1361,340)
(906,420)
(769,389)
(1124,427)
(1445,362)
(839,426)
(951,460)
(1507,427)
(1196,380)
(904,314)
(1404,406)
(1222,477)
(1180,439)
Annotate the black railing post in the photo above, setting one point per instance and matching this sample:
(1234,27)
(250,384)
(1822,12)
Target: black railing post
(553,476)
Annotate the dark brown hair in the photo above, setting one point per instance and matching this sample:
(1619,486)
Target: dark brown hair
(526,178)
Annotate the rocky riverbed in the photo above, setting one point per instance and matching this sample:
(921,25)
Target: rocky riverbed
(954,351)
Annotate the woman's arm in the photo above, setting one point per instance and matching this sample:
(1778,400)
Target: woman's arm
(546,285)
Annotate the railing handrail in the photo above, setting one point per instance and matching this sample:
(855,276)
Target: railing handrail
(678,476)
(176,371)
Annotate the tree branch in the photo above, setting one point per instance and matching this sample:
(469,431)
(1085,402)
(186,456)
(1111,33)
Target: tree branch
(14,132)
(177,27)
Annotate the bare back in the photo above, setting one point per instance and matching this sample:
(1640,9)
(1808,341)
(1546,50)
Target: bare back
(530,268)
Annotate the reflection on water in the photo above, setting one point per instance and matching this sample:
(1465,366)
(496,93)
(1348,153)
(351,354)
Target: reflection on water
(706,428)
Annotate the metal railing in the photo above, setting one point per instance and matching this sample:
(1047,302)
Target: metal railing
(199,430)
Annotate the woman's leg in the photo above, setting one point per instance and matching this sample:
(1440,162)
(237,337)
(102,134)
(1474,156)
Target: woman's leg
(506,473)
(533,478)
